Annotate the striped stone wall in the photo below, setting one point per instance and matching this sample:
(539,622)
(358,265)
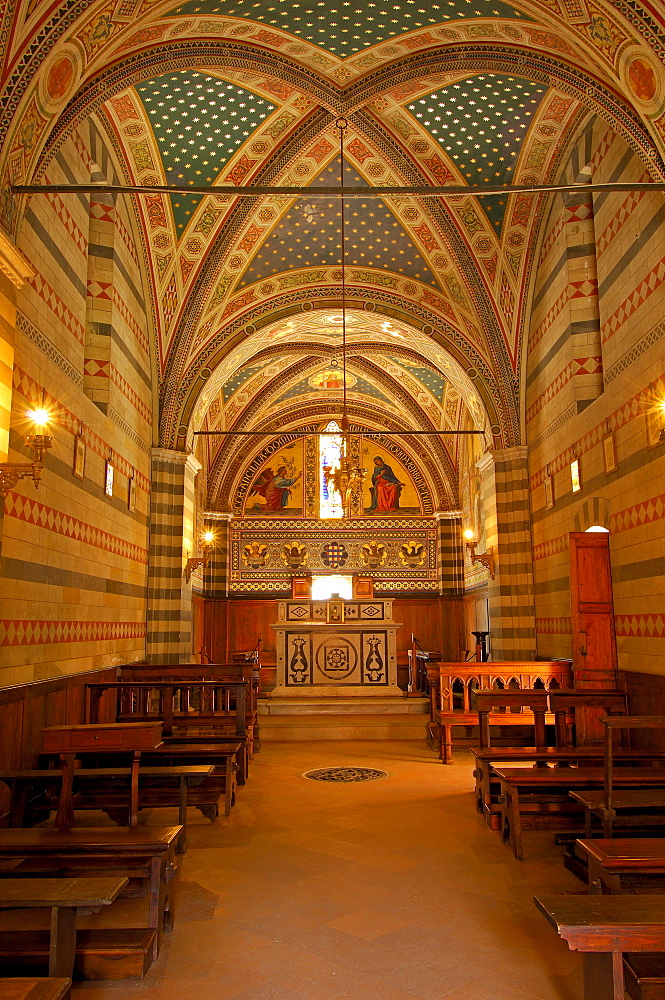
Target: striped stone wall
(451,554)
(620,426)
(74,559)
(508,532)
(172,541)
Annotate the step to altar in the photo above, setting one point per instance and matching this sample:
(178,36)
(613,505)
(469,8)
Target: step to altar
(310,716)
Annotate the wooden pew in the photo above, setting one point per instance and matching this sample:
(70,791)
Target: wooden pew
(145,856)
(565,704)
(485,761)
(178,705)
(630,808)
(25,988)
(453,689)
(493,706)
(539,799)
(65,897)
(624,865)
(603,928)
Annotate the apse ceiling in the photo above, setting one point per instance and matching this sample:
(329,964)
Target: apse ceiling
(242,93)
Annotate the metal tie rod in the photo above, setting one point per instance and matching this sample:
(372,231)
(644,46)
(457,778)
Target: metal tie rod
(450,191)
(303,433)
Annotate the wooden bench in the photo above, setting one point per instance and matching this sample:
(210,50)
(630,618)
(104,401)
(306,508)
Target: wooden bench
(65,897)
(565,706)
(25,988)
(177,786)
(145,856)
(630,807)
(245,672)
(539,799)
(485,760)
(644,976)
(209,706)
(604,928)
(623,865)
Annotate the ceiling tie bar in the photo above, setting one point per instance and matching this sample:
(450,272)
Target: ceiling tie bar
(451,191)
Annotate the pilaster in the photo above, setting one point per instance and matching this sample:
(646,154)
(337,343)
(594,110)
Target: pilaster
(505,485)
(172,522)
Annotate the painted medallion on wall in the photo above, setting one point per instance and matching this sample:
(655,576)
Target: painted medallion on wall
(642,80)
(389,487)
(277,486)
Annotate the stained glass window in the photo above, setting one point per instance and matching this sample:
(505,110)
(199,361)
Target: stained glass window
(330,464)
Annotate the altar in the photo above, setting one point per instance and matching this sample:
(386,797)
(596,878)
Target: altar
(325,645)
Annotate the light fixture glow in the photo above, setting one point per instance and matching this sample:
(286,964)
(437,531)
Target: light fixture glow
(39,416)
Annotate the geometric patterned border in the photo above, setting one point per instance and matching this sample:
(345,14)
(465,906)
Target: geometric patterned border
(16,632)
(33,512)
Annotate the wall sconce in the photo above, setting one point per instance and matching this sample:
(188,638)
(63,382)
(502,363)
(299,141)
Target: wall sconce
(207,544)
(485,559)
(39,443)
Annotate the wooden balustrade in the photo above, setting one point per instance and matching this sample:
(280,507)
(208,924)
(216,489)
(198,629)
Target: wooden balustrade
(177,703)
(453,688)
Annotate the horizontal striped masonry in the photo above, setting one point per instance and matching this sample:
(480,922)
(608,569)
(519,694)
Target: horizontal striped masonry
(622,216)
(578,366)
(23,632)
(630,410)
(96,368)
(79,239)
(33,512)
(644,512)
(30,390)
(551,547)
(126,238)
(557,229)
(58,307)
(637,298)
(129,318)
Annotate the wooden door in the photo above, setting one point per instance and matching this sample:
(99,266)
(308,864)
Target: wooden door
(592,607)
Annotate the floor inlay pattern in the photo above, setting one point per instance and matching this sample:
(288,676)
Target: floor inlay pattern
(345,774)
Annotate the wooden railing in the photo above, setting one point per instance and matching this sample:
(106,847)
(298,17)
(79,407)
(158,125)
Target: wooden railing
(180,703)
(453,685)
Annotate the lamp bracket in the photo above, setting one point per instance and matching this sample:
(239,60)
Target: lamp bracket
(485,559)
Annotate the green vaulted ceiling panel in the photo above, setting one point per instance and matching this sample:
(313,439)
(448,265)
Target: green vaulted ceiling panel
(199,122)
(432,381)
(343,27)
(239,379)
(481,122)
(309,236)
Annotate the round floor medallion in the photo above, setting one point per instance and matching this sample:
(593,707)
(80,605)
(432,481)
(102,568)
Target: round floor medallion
(345,774)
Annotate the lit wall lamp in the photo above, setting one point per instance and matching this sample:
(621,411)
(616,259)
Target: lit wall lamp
(485,559)
(206,544)
(39,443)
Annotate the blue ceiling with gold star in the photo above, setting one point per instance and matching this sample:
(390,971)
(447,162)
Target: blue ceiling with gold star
(344,28)
(309,235)
(434,382)
(239,378)
(198,121)
(481,122)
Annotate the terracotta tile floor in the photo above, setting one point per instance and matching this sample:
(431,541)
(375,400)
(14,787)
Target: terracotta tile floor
(384,890)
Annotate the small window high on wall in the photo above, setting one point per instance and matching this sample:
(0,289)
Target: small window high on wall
(597,527)
(324,587)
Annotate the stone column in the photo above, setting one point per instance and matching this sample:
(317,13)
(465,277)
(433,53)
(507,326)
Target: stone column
(508,531)
(216,573)
(172,541)
(586,361)
(451,553)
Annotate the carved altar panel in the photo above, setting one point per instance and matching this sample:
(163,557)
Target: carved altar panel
(334,658)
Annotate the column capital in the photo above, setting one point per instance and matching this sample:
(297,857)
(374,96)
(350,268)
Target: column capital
(183,458)
(13,264)
(518,452)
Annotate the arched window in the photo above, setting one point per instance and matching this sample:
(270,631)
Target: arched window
(330,465)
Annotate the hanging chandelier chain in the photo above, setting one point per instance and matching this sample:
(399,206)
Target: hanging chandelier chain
(342,125)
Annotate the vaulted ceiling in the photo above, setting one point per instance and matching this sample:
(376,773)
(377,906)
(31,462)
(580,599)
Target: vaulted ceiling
(246,293)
